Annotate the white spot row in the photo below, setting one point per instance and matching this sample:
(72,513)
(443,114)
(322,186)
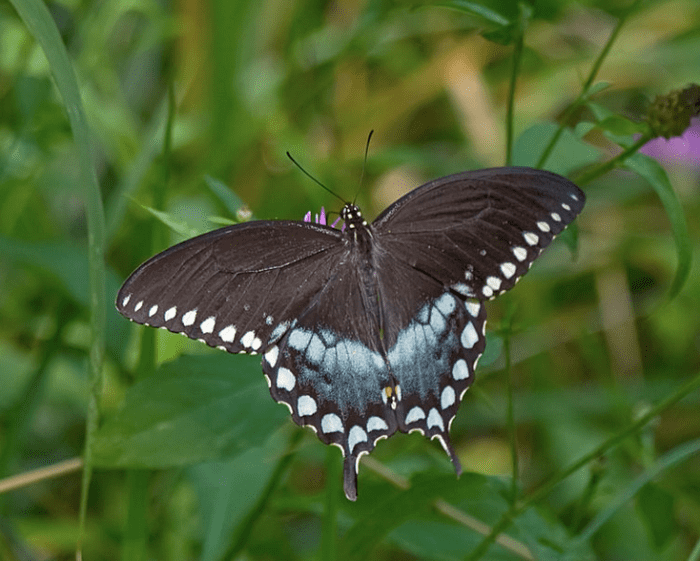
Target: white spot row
(417,414)
(227,334)
(331,423)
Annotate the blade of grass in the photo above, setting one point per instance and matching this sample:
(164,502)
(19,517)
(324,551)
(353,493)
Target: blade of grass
(537,495)
(665,462)
(38,20)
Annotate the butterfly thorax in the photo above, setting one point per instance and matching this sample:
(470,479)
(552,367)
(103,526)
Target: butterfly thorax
(352,216)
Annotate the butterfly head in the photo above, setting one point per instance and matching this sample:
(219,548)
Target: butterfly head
(352,216)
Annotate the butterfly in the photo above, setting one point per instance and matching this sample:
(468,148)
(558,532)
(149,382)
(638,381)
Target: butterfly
(369,329)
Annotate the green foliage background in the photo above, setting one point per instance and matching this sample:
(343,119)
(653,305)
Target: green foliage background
(128,126)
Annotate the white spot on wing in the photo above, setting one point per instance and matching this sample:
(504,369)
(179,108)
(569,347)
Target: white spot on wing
(543,226)
(520,253)
(271,355)
(487,291)
(376,423)
(189,317)
(285,379)
(332,423)
(153,311)
(565,206)
(170,313)
(530,238)
(460,371)
(248,339)
(138,306)
(435,419)
(228,333)
(469,336)
(494,282)
(126,300)
(508,269)
(473,308)
(207,326)
(447,399)
(415,414)
(555,217)
(306,405)
(357,435)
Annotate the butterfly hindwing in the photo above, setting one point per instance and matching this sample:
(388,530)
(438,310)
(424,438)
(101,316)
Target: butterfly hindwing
(434,359)
(329,369)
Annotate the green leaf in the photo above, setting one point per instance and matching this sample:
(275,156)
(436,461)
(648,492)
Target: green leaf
(477,9)
(570,152)
(656,507)
(223,501)
(192,409)
(175,225)
(651,170)
(229,199)
(619,125)
(597,88)
(499,18)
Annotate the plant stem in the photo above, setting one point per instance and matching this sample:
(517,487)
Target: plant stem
(517,57)
(564,121)
(597,171)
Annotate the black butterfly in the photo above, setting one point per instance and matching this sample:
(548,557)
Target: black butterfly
(370,329)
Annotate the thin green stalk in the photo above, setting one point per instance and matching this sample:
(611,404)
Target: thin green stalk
(605,167)
(517,58)
(38,20)
(512,513)
(564,121)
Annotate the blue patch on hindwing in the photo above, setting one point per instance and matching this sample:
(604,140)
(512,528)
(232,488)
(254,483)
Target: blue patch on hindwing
(339,370)
(430,331)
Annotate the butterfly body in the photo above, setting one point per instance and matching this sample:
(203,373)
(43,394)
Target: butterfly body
(368,330)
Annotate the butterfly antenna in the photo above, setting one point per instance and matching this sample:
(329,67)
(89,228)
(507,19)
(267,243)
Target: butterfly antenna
(313,178)
(364,164)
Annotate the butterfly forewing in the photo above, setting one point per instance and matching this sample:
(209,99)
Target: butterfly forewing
(236,288)
(479,232)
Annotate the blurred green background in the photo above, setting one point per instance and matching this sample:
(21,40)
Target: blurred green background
(191,107)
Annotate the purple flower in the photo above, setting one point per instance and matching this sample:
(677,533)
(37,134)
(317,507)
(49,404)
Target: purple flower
(684,149)
(322,219)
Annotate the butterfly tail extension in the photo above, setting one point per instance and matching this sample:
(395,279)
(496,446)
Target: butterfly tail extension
(350,465)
